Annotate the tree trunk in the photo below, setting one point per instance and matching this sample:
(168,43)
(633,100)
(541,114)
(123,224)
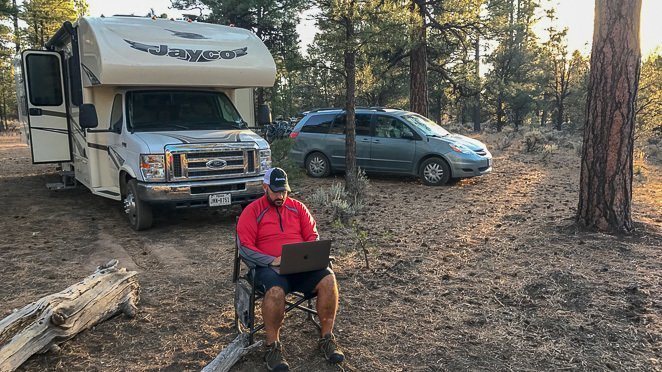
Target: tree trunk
(351,173)
(559,116)
(44,324)
(499,123)
(17,33)
(418,75)
(605,192)
(476,108)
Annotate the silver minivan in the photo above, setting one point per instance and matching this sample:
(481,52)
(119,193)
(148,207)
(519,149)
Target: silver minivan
(388,141)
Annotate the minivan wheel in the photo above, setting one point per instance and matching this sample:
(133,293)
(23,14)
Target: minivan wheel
(317,165)
(138,211)
(435,172)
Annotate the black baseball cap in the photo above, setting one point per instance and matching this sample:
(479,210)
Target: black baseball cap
(276,178)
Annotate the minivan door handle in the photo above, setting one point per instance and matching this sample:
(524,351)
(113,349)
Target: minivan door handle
(365,140)
(34,111)
(375,141)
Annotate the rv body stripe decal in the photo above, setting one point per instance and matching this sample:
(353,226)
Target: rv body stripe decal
(97,146)
(90,75)
(77,143)
(115,157)
(54,130)
(53,113)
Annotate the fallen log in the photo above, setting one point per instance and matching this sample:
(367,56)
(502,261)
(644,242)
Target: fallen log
(231,354)
(42,325)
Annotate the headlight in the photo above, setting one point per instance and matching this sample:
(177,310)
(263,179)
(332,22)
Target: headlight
(265,160)
(460,148)
(152,167)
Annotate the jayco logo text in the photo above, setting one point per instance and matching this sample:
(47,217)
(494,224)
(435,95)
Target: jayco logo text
(191,55)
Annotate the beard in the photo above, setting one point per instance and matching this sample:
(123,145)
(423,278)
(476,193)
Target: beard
(278,202)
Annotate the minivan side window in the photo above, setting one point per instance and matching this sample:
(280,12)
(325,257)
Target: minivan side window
(318,123)
(362,124)
(390,127)
(116,117)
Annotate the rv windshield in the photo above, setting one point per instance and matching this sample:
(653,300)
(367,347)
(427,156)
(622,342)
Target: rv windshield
(158,110)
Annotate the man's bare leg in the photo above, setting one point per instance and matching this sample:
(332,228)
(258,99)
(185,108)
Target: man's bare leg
(273,312)
(327,303)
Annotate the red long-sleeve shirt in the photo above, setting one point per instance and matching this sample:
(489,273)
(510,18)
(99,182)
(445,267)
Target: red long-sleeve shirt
(263,228)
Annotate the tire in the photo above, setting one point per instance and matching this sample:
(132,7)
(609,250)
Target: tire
(138,211)
(317,165)
(434,172)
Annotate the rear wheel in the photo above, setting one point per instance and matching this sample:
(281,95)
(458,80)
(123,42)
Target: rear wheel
(435,172)
(317,165)
(138,211)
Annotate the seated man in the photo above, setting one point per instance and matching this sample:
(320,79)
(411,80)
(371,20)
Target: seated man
(264,226)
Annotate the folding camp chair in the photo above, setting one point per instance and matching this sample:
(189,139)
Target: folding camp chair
(247,294)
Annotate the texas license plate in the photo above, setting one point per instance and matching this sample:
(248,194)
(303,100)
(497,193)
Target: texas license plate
(217,200)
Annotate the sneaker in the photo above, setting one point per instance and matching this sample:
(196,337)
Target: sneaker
(330,349)
(275,359)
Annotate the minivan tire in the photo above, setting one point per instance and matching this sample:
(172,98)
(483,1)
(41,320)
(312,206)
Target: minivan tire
(434,172)
(317,165)
(139,212)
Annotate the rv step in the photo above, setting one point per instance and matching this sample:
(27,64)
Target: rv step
(68,181)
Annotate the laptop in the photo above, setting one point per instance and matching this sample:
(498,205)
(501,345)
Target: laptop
(304,256)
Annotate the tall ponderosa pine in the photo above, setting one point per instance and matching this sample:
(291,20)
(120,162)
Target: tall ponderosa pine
(45,17)
(510,82)
(605,193)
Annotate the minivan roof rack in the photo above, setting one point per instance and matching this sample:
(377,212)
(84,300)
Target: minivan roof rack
(376,108)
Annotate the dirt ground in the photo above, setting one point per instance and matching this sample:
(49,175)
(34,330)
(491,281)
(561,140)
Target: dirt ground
(485,274)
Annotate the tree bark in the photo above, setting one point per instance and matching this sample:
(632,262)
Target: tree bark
(17,32)
(44,324)
(351,172)
(418,76)
(605,193)
(476,108)
(229,356)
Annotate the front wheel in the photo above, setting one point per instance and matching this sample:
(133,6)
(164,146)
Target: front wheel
(435,172)
(138,211)
(317,165)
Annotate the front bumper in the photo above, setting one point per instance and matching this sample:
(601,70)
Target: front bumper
(190,194)
(462,167)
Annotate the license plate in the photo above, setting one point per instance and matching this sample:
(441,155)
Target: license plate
(217,200)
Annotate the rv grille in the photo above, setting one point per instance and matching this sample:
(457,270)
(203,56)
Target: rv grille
(210,161)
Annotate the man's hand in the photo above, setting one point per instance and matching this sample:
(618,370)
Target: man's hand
(276,261)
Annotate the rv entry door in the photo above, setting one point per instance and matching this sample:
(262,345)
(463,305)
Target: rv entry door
(47,110)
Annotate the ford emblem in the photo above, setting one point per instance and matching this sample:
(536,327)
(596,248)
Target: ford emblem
(216,164)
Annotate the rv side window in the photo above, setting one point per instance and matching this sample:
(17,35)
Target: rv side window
(116,116)
(44,80)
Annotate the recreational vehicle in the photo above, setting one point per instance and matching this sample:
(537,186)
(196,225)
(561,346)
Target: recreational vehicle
(148,111)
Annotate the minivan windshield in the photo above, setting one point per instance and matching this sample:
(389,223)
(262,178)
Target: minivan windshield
(172,110)
(425,125)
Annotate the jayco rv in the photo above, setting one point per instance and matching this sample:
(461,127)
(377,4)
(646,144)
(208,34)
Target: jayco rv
(148,111)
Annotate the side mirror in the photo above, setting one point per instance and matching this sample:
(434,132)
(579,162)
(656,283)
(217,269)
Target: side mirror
(263,115)
(88,116)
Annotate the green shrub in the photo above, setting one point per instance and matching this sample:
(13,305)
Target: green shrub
(533,141)
(280,149)
(339,203)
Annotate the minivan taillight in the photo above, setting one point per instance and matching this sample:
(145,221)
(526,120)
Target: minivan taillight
(294,134)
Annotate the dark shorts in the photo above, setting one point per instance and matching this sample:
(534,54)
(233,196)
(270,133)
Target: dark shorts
(300,282)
